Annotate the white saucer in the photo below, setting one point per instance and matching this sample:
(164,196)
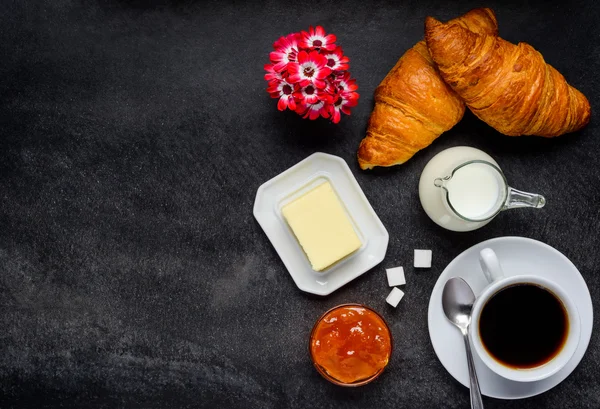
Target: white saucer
(517,255)
(309,173)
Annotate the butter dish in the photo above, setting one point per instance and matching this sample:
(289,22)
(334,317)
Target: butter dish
(320,168)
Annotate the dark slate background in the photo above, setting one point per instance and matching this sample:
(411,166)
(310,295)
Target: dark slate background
(133,137)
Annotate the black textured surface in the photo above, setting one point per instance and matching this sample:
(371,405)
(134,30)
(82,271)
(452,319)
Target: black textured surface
(133,137)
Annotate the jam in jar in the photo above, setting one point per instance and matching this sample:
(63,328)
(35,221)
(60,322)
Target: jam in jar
(350,345)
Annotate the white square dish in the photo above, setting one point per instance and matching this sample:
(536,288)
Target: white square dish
(317,168)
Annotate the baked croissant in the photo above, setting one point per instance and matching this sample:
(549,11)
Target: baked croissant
(413,105)
(508,86)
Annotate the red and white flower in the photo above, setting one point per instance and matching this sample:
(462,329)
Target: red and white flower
(336,61)
(285,92)
(317,39)
(310,68)
(308,74)
(313,111)
(344,84)
(286,51)
(309,94)
(343,103)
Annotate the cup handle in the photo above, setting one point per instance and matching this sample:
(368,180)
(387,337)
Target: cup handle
(490,265)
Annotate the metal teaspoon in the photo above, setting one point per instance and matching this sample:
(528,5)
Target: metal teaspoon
(457,302)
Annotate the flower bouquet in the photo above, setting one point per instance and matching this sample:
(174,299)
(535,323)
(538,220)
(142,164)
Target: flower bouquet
(309,74)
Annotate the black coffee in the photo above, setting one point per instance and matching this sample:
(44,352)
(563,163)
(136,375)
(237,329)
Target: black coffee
(523,326)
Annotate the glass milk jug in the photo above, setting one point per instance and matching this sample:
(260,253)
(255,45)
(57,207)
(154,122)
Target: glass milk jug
(463,189)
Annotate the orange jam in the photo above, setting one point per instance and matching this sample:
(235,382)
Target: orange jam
(350,344)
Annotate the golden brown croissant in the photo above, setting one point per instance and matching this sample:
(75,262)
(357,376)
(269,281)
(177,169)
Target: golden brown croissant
(413,105)
(508,86)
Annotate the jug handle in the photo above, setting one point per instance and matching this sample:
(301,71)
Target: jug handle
(517,198)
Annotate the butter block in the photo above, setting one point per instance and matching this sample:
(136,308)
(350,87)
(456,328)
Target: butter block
(321,226)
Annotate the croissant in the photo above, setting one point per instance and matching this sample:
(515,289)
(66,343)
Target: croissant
(413,105)
(510,87)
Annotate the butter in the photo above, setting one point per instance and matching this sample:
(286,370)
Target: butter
(321,226)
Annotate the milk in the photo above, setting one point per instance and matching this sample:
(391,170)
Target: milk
(463,189)
(474,191)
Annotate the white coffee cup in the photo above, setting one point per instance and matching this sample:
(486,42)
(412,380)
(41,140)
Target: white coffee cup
(498,281)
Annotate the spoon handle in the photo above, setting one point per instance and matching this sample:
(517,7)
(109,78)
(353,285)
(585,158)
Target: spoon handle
(476,401)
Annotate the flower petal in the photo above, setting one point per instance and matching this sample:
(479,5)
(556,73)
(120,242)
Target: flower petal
(293,78)
(323,73)
(336,116)
(319,83)
(311,99)
(302,56)
(278,43)
(292,103)
(280,66)
(276,56)
(282,104)
(324,112)
(301,108)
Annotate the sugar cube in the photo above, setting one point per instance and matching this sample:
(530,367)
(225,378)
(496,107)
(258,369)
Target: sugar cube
(395,276)
(423,258)
(395,296)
